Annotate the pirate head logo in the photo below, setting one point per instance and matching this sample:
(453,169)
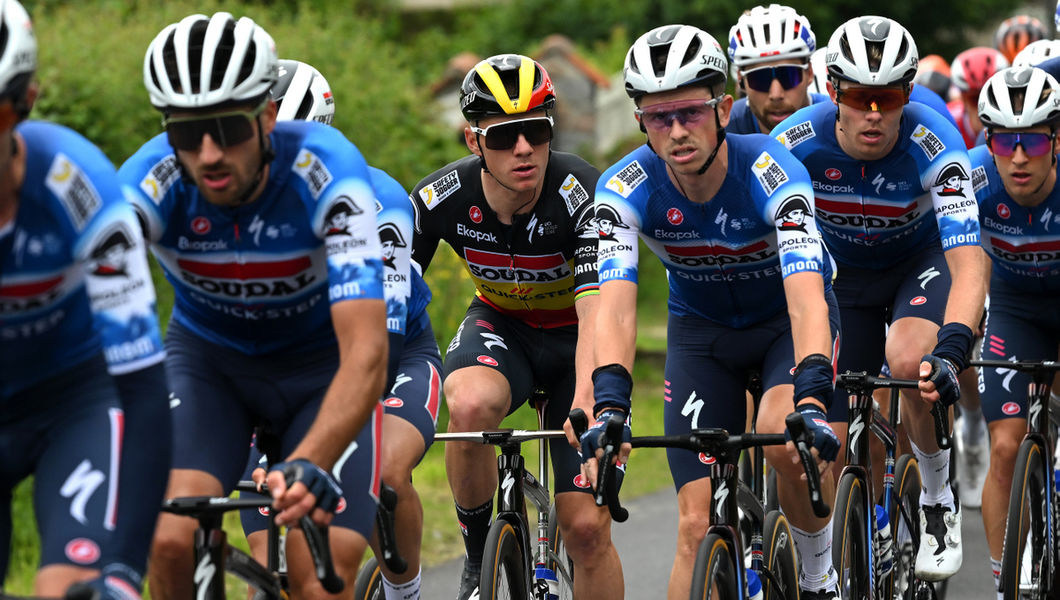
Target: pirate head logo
(337,219)
(951,180)
(110,256)
(793,214)
(607,220)
(391,238)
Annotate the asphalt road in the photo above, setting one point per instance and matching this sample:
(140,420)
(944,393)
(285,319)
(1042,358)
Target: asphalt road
(646,545)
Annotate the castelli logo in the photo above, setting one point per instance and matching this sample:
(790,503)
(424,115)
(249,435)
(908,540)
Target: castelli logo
(674,216)
(82,551)
(581,481)
(1004,211)
(706,458)
(263,511)
(476,214)
(341,508)
(833,174)
(1010,408)
(918,301)
(201,225)
(487,360)
(393,402)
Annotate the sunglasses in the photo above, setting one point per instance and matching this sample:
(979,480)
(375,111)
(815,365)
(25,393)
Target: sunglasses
(504,136)
(875,99)
(761,79)
(225,129)
(1034,144)
(661,117)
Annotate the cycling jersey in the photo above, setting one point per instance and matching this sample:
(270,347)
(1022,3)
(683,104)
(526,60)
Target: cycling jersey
(533,269)
(1023,242)
(259,278)
(726,258)
(875,214)
(74,279)
(407,295)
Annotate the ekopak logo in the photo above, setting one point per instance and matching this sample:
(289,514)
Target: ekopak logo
(675,216)
(1003,211)
(476,214)
(833,174)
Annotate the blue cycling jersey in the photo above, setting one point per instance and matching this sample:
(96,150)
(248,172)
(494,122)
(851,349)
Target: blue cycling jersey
(74,279)
(259,278)
(407,295)
(726,258)
(874,214)
(1023,242)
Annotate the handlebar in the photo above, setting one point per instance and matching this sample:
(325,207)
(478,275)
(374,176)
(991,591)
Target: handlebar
(803,441)
(384,523)
(863,383)
(606,492)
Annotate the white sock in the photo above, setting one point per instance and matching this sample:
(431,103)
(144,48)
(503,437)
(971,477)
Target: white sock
(995,568)
(934,477)
(403,591)
(815,553)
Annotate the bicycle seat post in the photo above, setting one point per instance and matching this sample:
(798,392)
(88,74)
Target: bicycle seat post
(539,398)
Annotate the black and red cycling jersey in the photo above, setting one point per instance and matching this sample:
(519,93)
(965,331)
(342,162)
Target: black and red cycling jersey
(533,269)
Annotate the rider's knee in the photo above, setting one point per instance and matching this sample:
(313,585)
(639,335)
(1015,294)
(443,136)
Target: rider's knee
(471,408)
(1003,455)
(586,534)
(691,529)
(173,541)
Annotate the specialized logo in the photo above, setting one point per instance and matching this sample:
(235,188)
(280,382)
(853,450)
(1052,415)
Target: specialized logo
(927,276)
(82,551)
(833,174)
(721,495)
(110,256)
(770,174)
(979,178)
(709,255)
(692,407)
(204,571)
(201,225)
(625,181)
(950,181)
(928,141)
(391,239)
(918,301)
(79,487)
(675,216)
(160,178)
(493,341)
(74,191)
(311,169)
(573,194)
(607,220)
(438,190)
(487,360)
(497,266)
(507,485)
(475,214)
(792,214)
(338,218)
(797,134)
(1003,210)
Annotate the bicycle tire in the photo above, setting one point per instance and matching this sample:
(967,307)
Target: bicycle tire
(850,539)
(558,559)
(779,557)
(905,529)
(503,564)
(369,582)
(714,575)
(1026,519)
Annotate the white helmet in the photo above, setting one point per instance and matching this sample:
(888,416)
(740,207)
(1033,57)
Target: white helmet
(673,56)
(1037,52)
(205,61)
(819,85)
(770,33)
(302,94)
(18,49)
(894,52)
(1041,98)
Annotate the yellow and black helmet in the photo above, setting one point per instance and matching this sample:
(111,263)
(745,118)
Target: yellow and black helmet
(505,84)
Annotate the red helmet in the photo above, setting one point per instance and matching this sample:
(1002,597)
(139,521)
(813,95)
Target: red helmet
(1015,33)
(974,66)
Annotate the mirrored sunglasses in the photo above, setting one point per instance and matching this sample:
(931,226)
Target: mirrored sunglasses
(225,129)
(504,136)
(875,99)
(1034,144)
(761,79)
(661,117)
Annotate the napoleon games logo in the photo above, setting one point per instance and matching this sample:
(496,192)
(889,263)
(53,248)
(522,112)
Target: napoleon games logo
(110,256)
(391,239)
(792,214)
(338,219)
(950,181)
(607,220)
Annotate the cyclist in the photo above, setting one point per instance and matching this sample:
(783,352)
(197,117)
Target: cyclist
(518,214)
(267,233)
(1015,33)
(881,168)
(731,218)
(969,72)
(79,342)
(1015,182)
(413,376)
(933,72)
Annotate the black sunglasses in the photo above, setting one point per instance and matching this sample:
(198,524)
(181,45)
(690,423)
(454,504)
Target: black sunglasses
(225,129)
(503,136)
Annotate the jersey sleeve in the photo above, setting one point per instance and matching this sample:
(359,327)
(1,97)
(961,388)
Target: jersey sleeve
(617,221)
(946,172)
(147,178)
(394,218)
(783,193)
(579,202)
(426,197)
(344,213)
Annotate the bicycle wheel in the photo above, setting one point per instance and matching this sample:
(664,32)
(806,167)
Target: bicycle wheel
(369,583)
(850,537)
(558,560)
(1023,573)
(905,529)
(503,566)
(779,557)
(714,575)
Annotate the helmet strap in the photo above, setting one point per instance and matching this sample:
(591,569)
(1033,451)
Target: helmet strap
(717,146)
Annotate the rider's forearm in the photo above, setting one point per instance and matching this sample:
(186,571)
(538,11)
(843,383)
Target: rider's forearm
(615,338)
(587,308)
(969,269)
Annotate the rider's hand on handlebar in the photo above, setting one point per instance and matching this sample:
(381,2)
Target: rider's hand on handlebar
(586,405)
(825,441)
(939,382)
(299,488)
(592,446)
